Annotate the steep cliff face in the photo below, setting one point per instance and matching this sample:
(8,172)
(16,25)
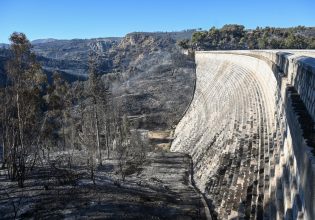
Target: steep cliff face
(250,132)
(153,80)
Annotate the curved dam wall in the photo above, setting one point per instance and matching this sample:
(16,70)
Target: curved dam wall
(250,132)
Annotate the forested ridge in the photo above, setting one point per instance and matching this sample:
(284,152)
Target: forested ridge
(236,37)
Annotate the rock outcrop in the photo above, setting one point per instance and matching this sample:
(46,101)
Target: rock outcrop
(250,132)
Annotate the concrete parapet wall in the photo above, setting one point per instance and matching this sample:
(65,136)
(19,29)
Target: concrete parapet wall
(250,132)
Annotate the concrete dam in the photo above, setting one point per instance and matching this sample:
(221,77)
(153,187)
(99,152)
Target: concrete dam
(251,134)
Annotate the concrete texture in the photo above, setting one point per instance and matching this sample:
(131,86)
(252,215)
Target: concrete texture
(250,132)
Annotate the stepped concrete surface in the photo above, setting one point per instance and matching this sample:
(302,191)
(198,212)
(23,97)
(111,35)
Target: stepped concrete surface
(250,132)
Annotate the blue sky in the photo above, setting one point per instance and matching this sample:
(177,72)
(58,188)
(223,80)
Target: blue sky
(67,19)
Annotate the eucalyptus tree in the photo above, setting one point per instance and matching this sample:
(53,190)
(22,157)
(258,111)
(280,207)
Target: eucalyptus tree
(23,120)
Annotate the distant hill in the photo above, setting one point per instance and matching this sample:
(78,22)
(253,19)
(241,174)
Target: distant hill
(147,72)
(5,46)
(41,41)
(176,35)
(71,56)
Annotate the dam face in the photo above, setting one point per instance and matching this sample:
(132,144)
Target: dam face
(250,132)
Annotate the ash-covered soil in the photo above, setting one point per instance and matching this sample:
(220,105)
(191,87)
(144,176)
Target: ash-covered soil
(160,189)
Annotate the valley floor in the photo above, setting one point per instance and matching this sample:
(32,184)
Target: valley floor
(162,189)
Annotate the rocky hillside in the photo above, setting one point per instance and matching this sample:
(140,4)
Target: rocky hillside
(154,80)
(71,56)
(147,72)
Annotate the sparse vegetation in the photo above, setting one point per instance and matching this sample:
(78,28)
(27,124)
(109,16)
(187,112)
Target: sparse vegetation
(38,119)
(21,110)
(60,137)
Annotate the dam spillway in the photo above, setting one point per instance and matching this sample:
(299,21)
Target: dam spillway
(250,132)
